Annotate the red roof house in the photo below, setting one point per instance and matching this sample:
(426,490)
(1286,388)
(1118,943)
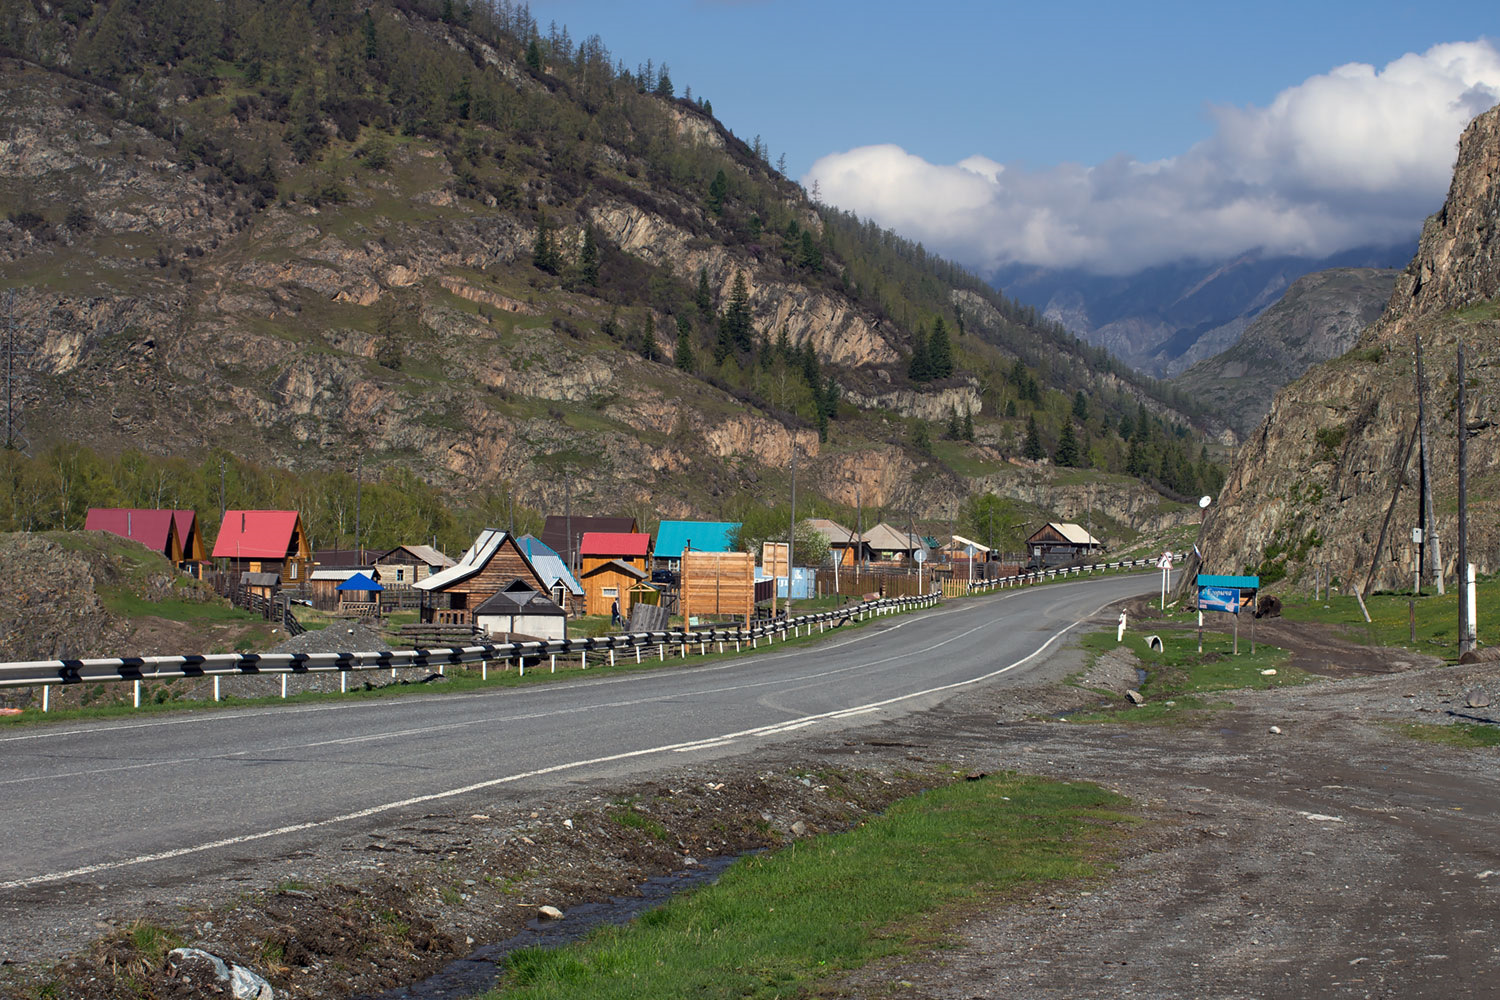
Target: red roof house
(173,533)
(264,541)
(615,545)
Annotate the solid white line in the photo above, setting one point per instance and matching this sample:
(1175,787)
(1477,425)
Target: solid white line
(701,744)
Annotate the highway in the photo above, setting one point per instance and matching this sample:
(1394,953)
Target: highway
(194,795)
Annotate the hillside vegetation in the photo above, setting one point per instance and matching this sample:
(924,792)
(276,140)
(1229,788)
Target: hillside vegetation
(427,245)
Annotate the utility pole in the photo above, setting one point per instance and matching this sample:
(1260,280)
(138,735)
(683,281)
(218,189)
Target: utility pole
(1466,629)
(1429,532)
(791,531)
(359,501)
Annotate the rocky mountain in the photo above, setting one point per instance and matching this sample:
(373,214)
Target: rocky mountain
(1318,318)
(1330,477)
(425,235)
(1164,319)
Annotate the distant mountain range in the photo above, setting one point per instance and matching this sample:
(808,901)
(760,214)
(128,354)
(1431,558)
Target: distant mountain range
(1164,319)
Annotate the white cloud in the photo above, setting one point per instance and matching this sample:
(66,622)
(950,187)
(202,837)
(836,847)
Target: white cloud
(1351,157)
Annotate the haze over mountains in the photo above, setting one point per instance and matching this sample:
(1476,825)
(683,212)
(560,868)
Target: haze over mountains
(1165,318)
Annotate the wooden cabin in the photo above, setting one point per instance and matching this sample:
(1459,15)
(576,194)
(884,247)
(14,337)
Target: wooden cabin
(844,545)
(265,541)
(407,564)
(1059,543)
(173,533)
(490,565)
(613,562)
(887,544)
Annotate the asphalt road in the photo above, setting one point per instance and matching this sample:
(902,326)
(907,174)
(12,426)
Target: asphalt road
(171,798)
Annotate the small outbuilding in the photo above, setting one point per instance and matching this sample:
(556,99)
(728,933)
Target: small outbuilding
(360,595)
(1060,542)
(521,612)
(608,581)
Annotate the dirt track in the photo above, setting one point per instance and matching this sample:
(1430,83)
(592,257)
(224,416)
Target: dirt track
(1338,858)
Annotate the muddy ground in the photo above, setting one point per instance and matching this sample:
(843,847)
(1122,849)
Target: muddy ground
(1338,857)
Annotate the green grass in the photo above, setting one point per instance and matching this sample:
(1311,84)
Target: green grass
(775,925)
(1469,735)
(1178,676)
(1437,617)
(121,601)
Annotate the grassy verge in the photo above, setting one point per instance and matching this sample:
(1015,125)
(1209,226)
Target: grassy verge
(1179,676)
(1390,624)
(775,925)
(1470,735)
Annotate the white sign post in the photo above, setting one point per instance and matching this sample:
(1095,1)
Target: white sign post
(1165,564)
(919,557)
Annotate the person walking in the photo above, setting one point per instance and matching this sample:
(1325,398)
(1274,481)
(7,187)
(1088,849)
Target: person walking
(614,614)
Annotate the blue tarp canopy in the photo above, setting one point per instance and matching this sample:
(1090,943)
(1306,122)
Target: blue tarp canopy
(359,581)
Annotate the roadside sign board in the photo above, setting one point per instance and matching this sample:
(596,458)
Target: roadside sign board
(1226,593)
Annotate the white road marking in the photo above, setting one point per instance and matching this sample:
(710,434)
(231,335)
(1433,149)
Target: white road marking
(689,746)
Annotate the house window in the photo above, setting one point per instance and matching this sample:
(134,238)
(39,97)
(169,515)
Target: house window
(399,573)
(610,591)
(254,567)
(291,571)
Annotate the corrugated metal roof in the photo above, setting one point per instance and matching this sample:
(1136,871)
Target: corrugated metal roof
(884,538)
(152,528)
(549,565)
(472,561)
(426,553)
(256,534)
(519,600)
(1073,533)
(611,543)
(704,536)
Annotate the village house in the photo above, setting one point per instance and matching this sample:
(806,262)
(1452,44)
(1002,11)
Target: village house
(1058,543)
(269,542)
(562,586)
(613,563)
(406,564)
(675,537)
(886,544)
(563,534)
(844,545)
(490,565)
(173,533)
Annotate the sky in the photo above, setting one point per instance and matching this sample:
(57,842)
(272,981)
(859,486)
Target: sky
(1104,136)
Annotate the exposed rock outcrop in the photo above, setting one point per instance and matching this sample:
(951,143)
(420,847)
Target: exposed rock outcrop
(1315,484)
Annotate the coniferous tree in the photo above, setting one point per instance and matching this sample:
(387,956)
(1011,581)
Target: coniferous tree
(1080,406)
(968,429)
(684,360)
(649,349)
(736,320)
(955,428)
(534,56)
(543,253)
(939,351)
(704,297)
(663,83)
(588,259)
(1033,449)
(718,188)
(1067,447)
(809,257)
(919,368)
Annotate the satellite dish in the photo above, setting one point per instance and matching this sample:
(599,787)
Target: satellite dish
(1205,501)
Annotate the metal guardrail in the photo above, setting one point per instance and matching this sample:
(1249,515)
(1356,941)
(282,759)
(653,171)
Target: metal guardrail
(45,673)
(1040,576)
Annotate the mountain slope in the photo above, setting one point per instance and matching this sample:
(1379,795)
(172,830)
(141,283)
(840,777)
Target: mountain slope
(422,235)
(1315,484)
(1318,318)
(1164,319)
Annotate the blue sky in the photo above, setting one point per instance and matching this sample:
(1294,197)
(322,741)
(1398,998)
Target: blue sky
(1034,87)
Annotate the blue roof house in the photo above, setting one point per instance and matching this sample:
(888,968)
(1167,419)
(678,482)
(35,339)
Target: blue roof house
(672,537)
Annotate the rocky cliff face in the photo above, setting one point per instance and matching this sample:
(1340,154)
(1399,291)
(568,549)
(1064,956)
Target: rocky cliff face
(1329,479)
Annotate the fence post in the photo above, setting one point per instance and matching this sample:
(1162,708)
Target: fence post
(216,687)
(137,693)
(46,696)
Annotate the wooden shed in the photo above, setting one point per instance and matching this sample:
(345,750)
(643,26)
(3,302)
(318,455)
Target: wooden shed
(492,563)
(608,581)
(407,564)
(520,612)
(1058,542)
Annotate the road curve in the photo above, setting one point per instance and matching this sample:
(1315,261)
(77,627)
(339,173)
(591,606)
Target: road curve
(184,797)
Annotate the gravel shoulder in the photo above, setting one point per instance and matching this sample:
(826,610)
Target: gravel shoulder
(1336,858)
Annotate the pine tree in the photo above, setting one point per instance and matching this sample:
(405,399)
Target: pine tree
(649,349)
(955,428)
(684,360)
(663,83)
(704,298)
(1081,406)
(718,188)
(939,351)
(588,259)
(543,253)
(736,320)
(1067,447)
(968,429)
(1032,449)
(534,56)
(784,343)
(919,368)
(808,256)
